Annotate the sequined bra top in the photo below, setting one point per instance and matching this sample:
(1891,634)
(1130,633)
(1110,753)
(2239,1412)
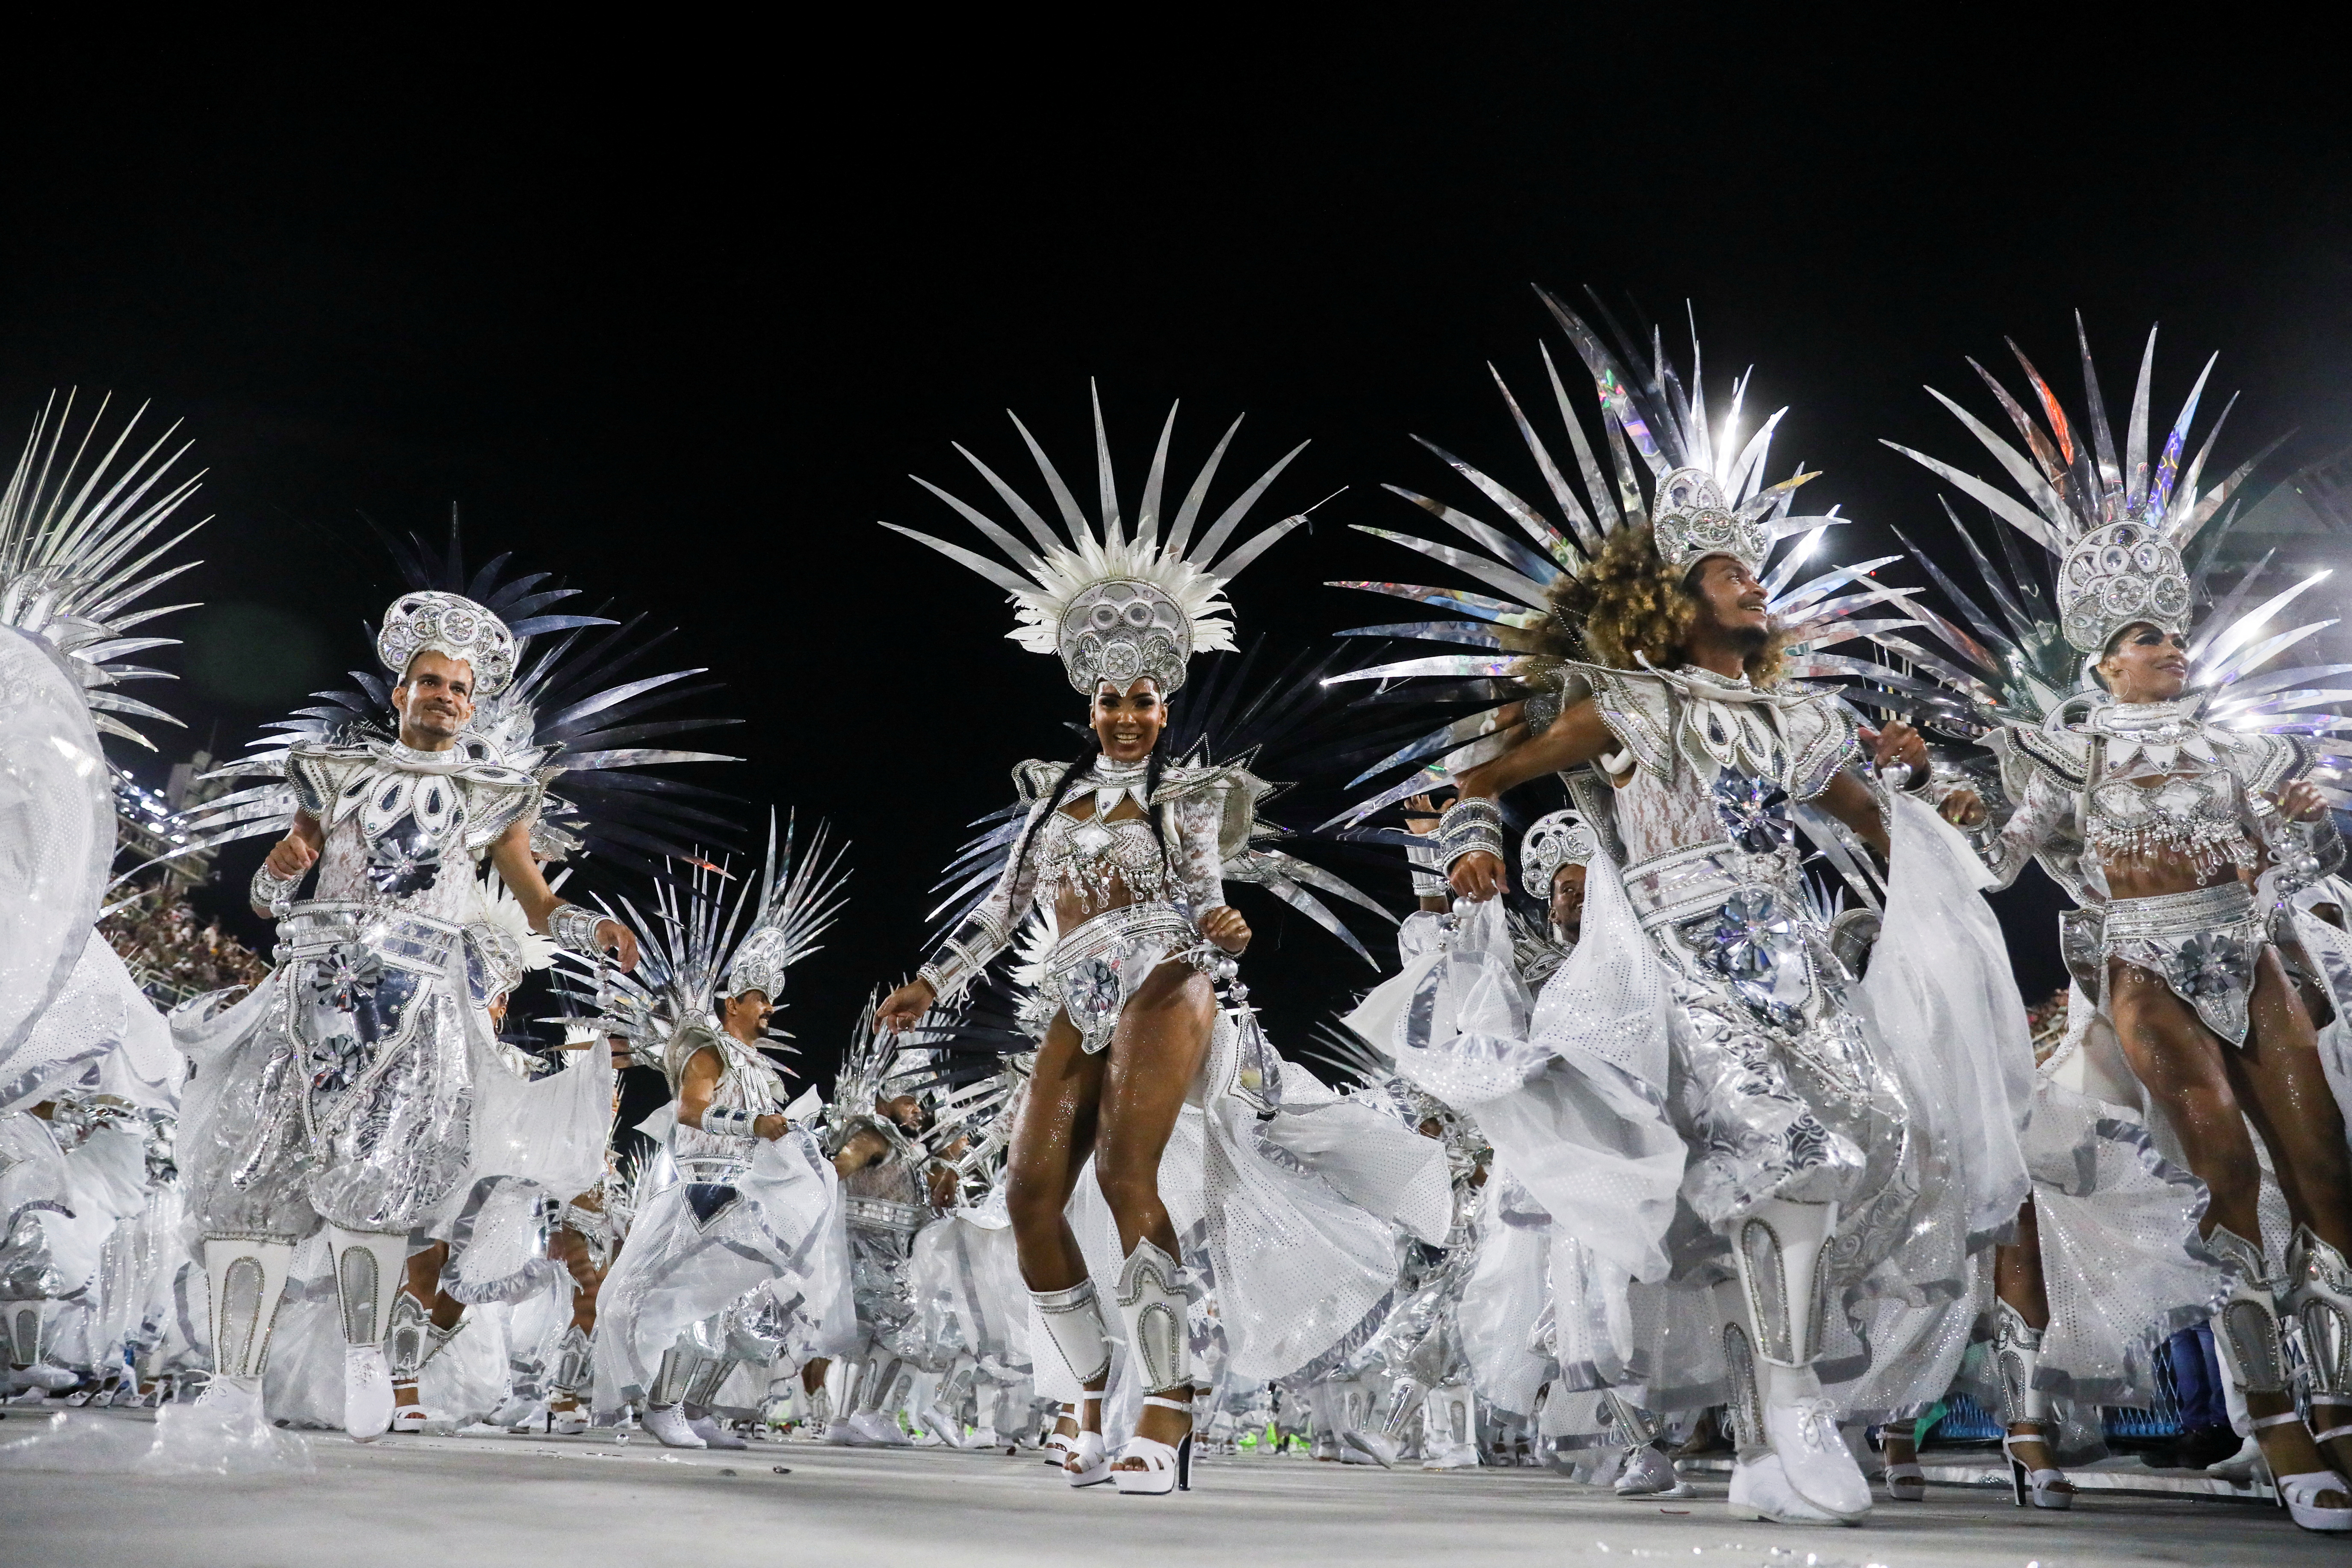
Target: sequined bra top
(1058,855)
(1087,858)
(2140,781)
(2193,816)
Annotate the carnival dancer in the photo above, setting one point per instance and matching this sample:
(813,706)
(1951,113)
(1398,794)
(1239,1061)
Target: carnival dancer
(1701,1047)
(873,1133)
(2167,788)
(340,1090)
(1125,850)
(748,1233)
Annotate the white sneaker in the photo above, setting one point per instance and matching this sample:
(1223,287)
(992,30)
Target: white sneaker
(232,1396)
(1648,1473)
(668,1423)
(568,1423)
(874,1430)
(1814,1458)
(1369,1448)
(1452,1456)
(1760,1489)
(367,1393)
(410,1418)
(714,1434)
(839,1433)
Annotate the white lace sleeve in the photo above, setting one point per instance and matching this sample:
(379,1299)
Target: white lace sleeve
(986,931)
(1196,864)
(2045,817)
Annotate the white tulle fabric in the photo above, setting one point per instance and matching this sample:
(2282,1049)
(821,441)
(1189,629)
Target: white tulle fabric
(783,1234)
(98,1036)
(1944,998)
(1569,1086)
(56,838)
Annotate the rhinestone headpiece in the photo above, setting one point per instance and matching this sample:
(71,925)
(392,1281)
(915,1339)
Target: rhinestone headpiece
(1559,838)
(447,624)
(1690,522)
(2116,576)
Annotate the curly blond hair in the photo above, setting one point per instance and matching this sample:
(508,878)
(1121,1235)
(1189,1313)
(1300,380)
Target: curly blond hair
(1627,601)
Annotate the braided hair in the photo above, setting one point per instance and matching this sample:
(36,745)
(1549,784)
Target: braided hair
(1085,759)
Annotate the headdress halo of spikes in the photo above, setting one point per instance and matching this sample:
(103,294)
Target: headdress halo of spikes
(694,941)
(575,714)
(2026,659)
(76,559)
(1706,495)
(1117,604)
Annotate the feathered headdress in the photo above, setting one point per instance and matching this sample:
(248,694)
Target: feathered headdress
(1706,496)
(2116,533)
(2119,530)
(74,556)
(1116,606)
(575,714)
(689,952)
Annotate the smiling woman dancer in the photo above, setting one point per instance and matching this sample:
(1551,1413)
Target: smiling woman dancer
(1120,851)
(2182,830)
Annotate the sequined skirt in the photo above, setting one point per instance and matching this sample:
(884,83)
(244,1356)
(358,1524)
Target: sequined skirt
(352,1099)
(2204,945)
(1777,1083)
(1098,965)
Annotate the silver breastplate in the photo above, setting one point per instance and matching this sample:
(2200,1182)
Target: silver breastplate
(1087,858)
(2193,816)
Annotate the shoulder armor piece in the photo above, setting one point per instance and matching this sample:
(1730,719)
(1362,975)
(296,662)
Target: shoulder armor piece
(1639,710)
(2064,754)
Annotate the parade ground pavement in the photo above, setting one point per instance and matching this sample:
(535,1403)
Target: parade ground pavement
(508,1501)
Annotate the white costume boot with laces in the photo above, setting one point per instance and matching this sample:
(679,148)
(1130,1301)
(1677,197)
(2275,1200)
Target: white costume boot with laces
(369,1268)
(1778,1246)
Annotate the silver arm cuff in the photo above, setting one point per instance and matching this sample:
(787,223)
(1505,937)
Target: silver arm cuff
(1469,825)
(1428,873)
(726,1122)
(575,929)
(275,894)
(963,954)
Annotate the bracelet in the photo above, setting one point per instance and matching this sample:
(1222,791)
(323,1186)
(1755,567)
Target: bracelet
(1428,876)
(1469,826)
(575,929)
(275,894)
(726,1122)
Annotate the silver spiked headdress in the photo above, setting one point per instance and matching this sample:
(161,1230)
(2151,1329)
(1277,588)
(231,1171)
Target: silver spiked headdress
(75,557)
(1114,604)
(2118,529)
(1706,496)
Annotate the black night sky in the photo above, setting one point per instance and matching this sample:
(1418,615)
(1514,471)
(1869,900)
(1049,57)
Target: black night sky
(674,312)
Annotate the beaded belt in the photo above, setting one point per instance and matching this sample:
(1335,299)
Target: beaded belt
(1682,884)
(2177,914)
(403,940)
(1116,928)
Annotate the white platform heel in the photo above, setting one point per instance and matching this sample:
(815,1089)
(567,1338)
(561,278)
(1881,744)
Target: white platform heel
(1154,1309)
(1088,1462)
(1167,1466)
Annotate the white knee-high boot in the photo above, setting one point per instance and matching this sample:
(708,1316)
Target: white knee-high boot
(1778,1245)
(244,1280)
(369,1269)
